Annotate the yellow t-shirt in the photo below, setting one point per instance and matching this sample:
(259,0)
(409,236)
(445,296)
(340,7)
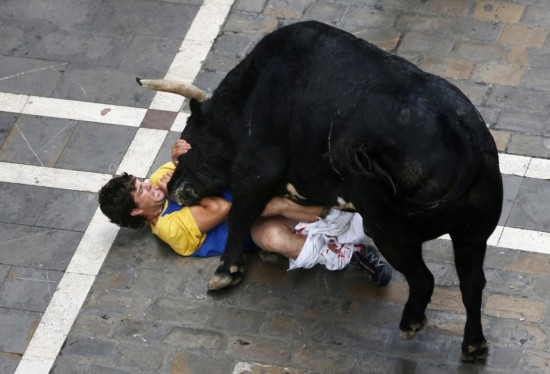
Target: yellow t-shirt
(176,226)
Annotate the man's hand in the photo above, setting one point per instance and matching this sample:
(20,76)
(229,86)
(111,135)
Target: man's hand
(180,147)
(161,184)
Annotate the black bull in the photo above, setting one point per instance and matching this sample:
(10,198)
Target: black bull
(329,119)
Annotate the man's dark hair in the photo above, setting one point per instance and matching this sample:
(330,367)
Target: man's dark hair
(116,202)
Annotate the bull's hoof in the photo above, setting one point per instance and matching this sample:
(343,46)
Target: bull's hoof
(475,352)
(414,328)
(222,279)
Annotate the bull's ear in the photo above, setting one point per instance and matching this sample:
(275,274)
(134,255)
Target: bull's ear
(195,106)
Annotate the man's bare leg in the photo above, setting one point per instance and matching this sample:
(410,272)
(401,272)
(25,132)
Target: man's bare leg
(276,234)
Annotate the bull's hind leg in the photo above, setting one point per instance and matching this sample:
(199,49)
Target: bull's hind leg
(469,266)
(407,259)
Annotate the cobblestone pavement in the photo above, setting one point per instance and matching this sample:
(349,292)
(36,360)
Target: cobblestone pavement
(71,116)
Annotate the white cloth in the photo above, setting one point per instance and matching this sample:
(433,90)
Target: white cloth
(345,229)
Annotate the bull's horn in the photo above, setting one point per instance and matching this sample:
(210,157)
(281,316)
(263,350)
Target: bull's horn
(187,90)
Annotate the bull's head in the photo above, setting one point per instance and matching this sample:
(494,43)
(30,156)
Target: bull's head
(203,171)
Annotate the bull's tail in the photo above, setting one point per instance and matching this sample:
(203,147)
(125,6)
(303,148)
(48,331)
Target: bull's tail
(187,90)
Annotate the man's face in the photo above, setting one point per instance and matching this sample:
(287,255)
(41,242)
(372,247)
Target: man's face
(146,197)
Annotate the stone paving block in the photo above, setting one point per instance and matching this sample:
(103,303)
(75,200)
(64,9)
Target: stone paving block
(250,24)
(386,39)
(252,368)
(466,29)
(30,76)
(96,324)
(9,362)
(323,360)
(65,12)
(53,43)
(257,348)
(96,351)
(4,270)
(425,345)
(236,320)
(233,43)
(529,212)
(37,140)
(135,330)
(156,61)
(17,328)
(529,263)
(515,333)
(522,35)
(15,36)
(188,363)
(513,284)
(526,123)
(529,146)
(209,81)
(285,8)
(221,62)
(251,6)
(537,15)
(116,301)
(498,11)
(361,17)
(21,200)
(447,68)
(418,23)
(538,77)
(98,84)
(96,147)
(158,119)
(476,92)
(536,361)
(383,364)
(325,12)
(125,17)
(417,43)
(194,339)
(139,358)
(68,210)
(507,75)
(180,311)
(7,121)
(502,138)
(74,364)
(525,100)
(479,52)
(446,7)
(514,307)
(28,289)
(37,247)
(538,57)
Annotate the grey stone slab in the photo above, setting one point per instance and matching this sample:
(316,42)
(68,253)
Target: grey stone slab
(418,43)
(68,210)
(325,12)
(29,76)
(37,247)
(9,362)
(511,185)
(538,57)
(37,140)
(4,269)
(29,289)
(153,18)
(532,207)
(149,55)
(529,146)
(21,203)
(524,123)
(251,6)
(66,12)
(524,100)
(537,77)
(102,85)
(7,120)
(17,327)
(14,36)
(100,351)
(233,43)
(96,147)
(75,46)
(209,81)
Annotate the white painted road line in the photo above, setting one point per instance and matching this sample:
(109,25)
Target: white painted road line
(142,152)
(51,177)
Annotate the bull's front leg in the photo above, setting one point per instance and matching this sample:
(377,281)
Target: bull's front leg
(256,176)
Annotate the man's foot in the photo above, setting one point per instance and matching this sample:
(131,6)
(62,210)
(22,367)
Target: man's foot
(368,260)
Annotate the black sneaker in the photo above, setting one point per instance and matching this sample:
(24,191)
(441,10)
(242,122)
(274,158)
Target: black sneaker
(368,260)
